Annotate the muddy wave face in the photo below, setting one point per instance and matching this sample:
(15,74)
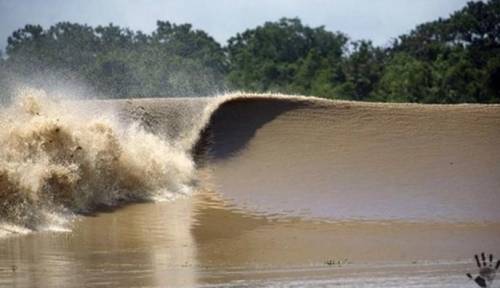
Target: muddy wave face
(57,157)
(346,161)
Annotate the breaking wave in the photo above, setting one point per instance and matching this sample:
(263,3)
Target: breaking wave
(59,158)
(275,154)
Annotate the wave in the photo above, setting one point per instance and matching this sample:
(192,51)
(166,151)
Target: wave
(275,154)
(341,160)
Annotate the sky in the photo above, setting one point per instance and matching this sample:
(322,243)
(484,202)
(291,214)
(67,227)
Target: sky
(376,20)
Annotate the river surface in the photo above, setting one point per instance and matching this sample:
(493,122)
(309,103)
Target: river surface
(247,191)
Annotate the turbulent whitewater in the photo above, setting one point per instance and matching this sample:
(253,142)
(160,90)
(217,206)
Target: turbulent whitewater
(271,154)
(58,157)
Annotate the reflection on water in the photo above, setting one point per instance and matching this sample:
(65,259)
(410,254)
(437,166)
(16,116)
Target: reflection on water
(201,241)
(143,244)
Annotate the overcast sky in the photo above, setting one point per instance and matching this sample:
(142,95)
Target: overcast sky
(377,20)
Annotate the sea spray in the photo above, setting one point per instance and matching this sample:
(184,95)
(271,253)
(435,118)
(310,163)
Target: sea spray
(55,158)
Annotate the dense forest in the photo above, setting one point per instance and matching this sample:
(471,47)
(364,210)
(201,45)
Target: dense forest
(450,60)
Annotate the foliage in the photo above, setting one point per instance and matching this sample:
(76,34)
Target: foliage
(450,60)
(173,61)
(282,56)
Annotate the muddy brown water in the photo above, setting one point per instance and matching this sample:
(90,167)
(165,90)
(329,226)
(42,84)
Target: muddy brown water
(293,192)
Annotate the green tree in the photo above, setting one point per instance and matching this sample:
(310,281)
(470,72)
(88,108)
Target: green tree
(405,79)
(117,62)
(450,60)
(461,51)
(362,69)
(282,56)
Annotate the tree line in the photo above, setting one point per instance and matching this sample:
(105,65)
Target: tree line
(451,60)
